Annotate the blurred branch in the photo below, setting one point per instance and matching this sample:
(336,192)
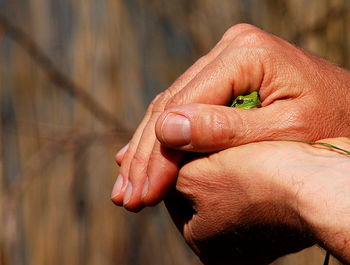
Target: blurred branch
(53,132)
(35,166)
(57,77)
(321,24)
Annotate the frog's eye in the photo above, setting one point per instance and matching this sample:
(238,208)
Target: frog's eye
(240,101)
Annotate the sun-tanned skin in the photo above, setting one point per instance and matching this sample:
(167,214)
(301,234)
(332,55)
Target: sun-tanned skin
(254,203)
(192,115)
(294,87)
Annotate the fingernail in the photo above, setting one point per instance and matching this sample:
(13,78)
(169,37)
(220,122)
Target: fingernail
(145,189)
(117,186)
(123,150)
(176,130)
(127,194)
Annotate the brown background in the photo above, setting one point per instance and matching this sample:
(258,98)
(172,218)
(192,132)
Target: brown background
(75,79)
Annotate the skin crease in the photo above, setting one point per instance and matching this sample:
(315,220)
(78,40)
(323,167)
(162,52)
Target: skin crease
(272,197)
(295,89)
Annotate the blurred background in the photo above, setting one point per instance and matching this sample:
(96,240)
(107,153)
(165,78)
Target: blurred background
(75,79)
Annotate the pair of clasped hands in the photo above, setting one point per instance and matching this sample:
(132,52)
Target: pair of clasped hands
(239,191)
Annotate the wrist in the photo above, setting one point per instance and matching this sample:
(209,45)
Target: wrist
(323,204)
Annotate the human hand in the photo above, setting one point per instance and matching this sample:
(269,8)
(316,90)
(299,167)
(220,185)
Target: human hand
(303,97)
(254,203)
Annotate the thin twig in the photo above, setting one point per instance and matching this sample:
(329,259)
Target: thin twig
(324,144)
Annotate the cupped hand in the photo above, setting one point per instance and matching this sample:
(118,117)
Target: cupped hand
(254,203)
(303,97)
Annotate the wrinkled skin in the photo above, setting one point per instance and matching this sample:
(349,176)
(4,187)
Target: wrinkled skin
(303,97)
(254,203)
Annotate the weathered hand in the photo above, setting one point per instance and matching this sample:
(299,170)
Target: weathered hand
(256,202)
(303,97)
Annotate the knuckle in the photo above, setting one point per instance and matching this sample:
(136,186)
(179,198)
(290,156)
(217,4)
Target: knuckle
(193,178)
(233,31)
(158,98)
(138,160)
(224,128)
(138,164)
(203,60)
(124,170)
(228,126)
(162,101)
(153,103)
(175,101)
(252,37)
(220,64)
(125,165)
(186,182)
(168,94)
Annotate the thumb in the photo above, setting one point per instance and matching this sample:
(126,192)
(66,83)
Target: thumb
(208,128)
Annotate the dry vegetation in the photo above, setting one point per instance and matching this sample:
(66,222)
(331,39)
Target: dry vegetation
(75,79)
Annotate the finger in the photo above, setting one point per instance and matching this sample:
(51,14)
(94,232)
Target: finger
(232,73)
(143,151)
(245,65)
(122,179)
(138,169)
(209,128)
(189,76)
(160,101)
(158,185)
(120,155)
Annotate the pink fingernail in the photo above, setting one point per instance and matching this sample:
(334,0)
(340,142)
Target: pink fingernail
(176,130)
(127,194)
(123,150)
(117,186)
(145,189)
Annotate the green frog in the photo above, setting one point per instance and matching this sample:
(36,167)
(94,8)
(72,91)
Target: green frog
(251,101)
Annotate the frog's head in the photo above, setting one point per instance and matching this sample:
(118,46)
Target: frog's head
(251,101)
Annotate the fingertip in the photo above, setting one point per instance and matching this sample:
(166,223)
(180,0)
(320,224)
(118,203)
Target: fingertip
(136,180)
(118,190)
(117,187)
(118,199)
(150,196)
(120,155)
(133,206)
(156,192)
(173,127)
(158,126)
(127,193)
(132,198)
(154,196)
(175,130)
(198,127)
